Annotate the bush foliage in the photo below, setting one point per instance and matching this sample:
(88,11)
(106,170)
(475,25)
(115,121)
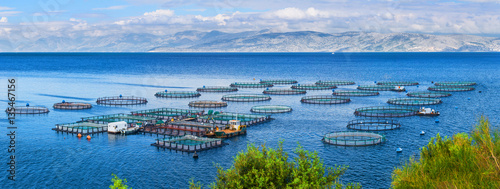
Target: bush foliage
(118,183)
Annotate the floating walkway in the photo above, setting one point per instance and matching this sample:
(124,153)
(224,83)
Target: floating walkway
(224,118)
(325,99)
(335,83)
(279,81)
(181,128)
(207,104)
(81,127)
(354,93)
(27,110)
(386,111)
(251,85)
(414,101)
(350,138)
(119,117)
(121,100)
(168,113)
(217,89)
(178,94)
(72,106)
(398,83)
(284,91)
(428,94)
(451,88)
(246,97)
(381,88)
(188,143)
(313,87)
(271,109)
(373,124)
(455,83)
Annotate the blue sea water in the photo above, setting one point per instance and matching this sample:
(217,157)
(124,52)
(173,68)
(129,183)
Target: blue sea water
(47,159)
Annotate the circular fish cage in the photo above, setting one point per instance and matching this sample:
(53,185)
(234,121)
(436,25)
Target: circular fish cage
(121,100)
(27,110)
(313,87)
(386,111)
(207,104)
(72,106)
(398,83)
(354,93)
(216,89)
(414,101)
(246,97)
(450,88)
(455,83)
(279,81)
(428,94)
(373,124)
(353,138)
(381,88)
(271,109)
(251,85)
(320,82)
(284,91)
(325,99)
(178,94)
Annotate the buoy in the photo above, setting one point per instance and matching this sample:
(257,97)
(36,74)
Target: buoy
(417,86)
(267,88)
(120,95)
(333,90)
(456,107)
(88,137)
(375,82)
(422,133)
(79,135)
(432,81)
(399,150)
(298,84)
(437,121)
(479,91)
(195,155)
(167,90)
(254,79)
(468,98)
(27,104)
(63,101)
(203,86)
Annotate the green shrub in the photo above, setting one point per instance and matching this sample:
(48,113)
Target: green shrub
(118,183)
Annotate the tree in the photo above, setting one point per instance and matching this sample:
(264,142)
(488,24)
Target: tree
(118,183)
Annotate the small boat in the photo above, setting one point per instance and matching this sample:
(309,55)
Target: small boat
(399,88)
(422,133)
(399,150)
(232,129)
(427,112)
(129,130)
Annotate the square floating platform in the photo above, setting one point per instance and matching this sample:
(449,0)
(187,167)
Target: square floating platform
(188,143)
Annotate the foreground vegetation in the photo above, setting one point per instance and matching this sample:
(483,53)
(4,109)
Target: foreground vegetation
(118,183)
(463,161)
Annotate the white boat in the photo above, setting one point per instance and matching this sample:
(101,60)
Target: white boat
(399,88)
(427,112)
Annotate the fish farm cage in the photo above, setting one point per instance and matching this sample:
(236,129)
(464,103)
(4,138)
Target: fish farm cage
(353,138)
(279,81)
(271,109)
(81,127)
(168,113)
(373,124)
(188,143)
(224,118)
(217,89)
(325,99)
(455,83)
(428,94)
(284,91)
(398,83)
(72,105)
(313,87)
(119,117)
(251,85)
(386,111)
(207,104)
(320,82)
(177,94)
(414,101)
(355,93)
(450,88)
(246,97)
(27,110)
(181,128)
(121,100)
(381,88)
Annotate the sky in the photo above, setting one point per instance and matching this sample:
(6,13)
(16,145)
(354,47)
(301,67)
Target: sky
(35,19)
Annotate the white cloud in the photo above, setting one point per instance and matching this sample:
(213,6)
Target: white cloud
(220,19)
(10,13)
(117,7)
(6,8)
(3,20)
(160,12)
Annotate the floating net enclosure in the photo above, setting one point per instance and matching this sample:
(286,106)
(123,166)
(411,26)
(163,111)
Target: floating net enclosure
(251,85)
(224,118)
(284,91)
(414,101)
(246,97)
(353,138)
(188,143)
(398,83)
(27,110)
(121,100)
(320,82)
(386,111)
(178,94)
(167,113)
(72,105)
(217,89)
(119,117)
(455,83)
(207,104)
(428,94)
(355,93)
(450,88)
(279,81)
(271,109)
(313,87)
(381,88)
(373,124)
(325,99)
(82,128)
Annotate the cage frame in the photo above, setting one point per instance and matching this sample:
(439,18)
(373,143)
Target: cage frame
(238,97)
(316,99)
(377,138)
(365,124)
(125,100)
(407,111)
(404,101)
(280,109)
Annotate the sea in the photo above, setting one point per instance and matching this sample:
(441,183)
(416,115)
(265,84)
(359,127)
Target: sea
(47,159)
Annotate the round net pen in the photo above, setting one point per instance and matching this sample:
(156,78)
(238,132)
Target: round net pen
(207,104)
(279,81)
(428,94)
(178,94)
(386,111)
(373,124)
(353,138)
(72,106)
(398,83)
(324,99)
(246,97)
(121,100)
(320,82)
(217,89)
(414,101)
(450,88)
(271,109)
(313,87)
(455,83)
(27,110)
(251,85)
(381,88)
(284,91)
(355,93)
